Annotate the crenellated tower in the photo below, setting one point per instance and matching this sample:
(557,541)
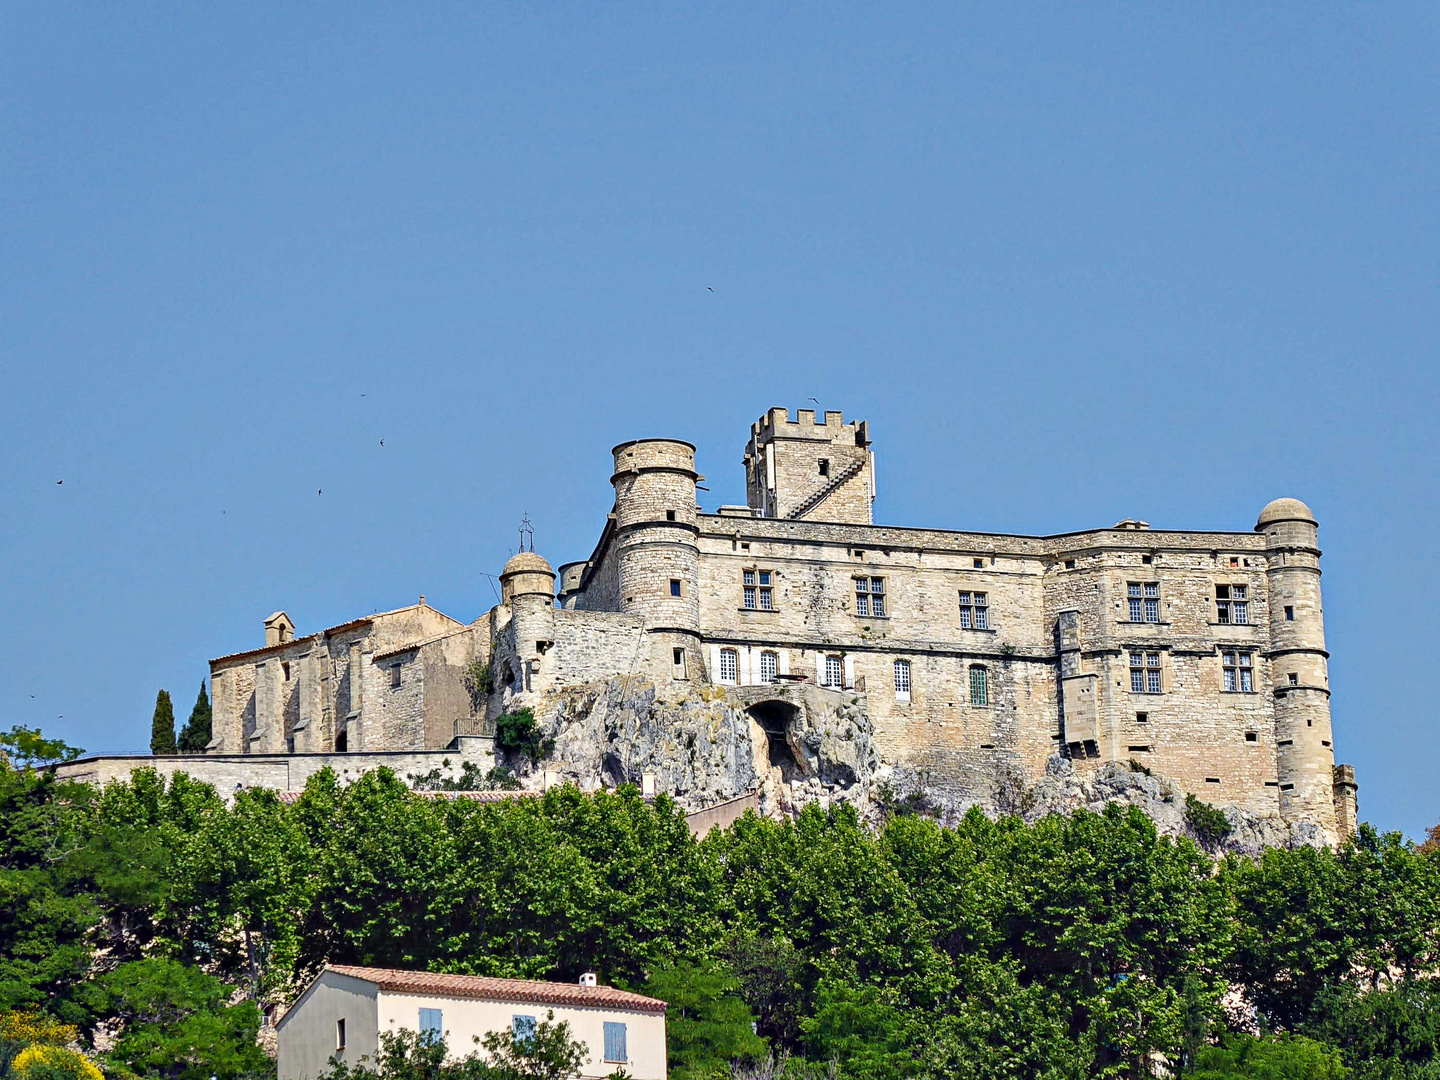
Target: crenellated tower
(1298,664)
(806,470)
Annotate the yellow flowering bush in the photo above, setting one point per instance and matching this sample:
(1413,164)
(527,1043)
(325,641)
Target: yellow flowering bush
(50,1060)
(30,1027)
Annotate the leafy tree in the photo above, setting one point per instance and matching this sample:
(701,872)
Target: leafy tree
(1391,1034)
(175,1023)
(195,735)
(1244,1057)
(162,725)
(24,748)
(707,1024)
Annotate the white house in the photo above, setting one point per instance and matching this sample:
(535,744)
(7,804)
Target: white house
(342,1013)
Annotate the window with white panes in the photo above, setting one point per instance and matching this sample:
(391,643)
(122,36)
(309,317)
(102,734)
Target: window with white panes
(902,680)
(870,596)
(979,686)
(759,590)
(729,666)
(1145,673)
(1232,604)
(769,667)
(1239,670)
(1144,597)
(974,611)
(834,671)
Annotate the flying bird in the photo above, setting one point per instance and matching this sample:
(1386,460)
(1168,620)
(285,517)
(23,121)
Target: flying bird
(59,481)
(382,442)
(319,492)
(709,289)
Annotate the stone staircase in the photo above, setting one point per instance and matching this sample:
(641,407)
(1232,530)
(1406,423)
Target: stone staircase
(825,492)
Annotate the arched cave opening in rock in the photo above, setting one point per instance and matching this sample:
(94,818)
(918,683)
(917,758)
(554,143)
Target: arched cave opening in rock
(776,718)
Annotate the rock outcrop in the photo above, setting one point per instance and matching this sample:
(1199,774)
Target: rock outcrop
(800,744)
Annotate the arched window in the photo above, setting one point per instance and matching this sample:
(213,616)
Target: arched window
(902,680)
(729,666)
(979,686)
(769,667)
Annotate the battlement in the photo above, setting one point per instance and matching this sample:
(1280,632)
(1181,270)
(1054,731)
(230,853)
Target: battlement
(776,424)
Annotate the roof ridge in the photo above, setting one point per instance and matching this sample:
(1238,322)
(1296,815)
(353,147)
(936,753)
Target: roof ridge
(537,991)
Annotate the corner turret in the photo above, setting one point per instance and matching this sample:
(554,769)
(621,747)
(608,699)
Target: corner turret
(1299,669)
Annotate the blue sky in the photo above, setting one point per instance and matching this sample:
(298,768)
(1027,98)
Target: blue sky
(1073,266)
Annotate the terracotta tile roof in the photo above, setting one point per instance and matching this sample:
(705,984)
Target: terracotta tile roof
(475,986)
(292,797)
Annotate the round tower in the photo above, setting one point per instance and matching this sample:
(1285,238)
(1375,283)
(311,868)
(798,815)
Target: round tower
(1298,664)
(657,547)
(527,588)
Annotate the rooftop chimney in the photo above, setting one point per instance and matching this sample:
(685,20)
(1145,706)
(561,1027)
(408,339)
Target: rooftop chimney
(588,979)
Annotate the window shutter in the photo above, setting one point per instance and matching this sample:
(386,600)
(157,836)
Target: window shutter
(742,676)
(783,662)
(849,671)
(714,670)
(820,668)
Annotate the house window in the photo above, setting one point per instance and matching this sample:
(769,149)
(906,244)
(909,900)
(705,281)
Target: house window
(669,515)
(395,676)
(1289,613)
(902,680)
(870,596)
(769,667)
(974,611)
(677,662)
(1239,672)
(979,564)
(285,669)
(340,1034)
(615,1043)
(523,1028)
(729,665)
(979,686)
(1144,599)
(674,586)
(431,1025)
(1145,673)
(824,466)
(1294,678)
(758,590)
(1232,604)
(834,671)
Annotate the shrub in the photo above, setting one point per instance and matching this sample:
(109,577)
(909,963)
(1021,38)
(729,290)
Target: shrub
(517,733)
(1209,825)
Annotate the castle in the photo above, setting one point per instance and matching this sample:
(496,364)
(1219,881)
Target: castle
(1199,655)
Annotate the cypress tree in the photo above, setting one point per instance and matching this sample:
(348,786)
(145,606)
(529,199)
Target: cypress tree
(162,725)
(195,735)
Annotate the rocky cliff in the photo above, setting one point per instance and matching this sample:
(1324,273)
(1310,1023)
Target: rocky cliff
(799,744)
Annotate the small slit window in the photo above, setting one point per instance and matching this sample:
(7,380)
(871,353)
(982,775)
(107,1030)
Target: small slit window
(395,676)
(340,1034)
(674,586)
(677,660)
(1289,613)
(669,515)
(824,466)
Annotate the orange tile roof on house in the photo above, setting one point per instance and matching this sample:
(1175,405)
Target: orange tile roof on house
(529,991)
